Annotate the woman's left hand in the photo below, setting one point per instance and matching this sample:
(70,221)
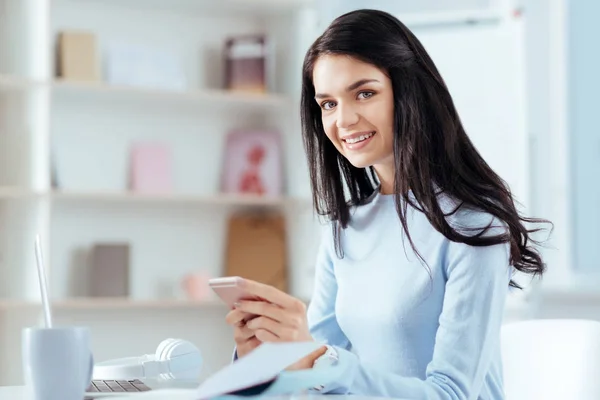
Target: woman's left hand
(280,318)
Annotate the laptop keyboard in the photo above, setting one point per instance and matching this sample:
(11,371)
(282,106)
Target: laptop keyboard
(105,386)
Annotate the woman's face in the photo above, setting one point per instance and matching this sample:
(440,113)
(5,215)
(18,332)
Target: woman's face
(357,109)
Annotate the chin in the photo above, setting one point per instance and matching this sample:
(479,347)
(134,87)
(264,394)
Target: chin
(360,162)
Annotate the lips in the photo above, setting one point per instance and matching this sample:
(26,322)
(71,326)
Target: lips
(358,139)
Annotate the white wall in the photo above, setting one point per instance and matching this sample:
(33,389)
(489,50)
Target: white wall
(584,81)
(546,108)
(563,84)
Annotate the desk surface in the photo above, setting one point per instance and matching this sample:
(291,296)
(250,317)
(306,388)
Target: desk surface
(20,392)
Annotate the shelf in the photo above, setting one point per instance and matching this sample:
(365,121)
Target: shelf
(17,83)
(8,192)
(134,198)
(90,303)
(212,97)
(252,7)
(125,303)
(240,200)
(108,303)
(218,199)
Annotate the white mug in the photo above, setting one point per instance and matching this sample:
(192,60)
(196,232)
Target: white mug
(57,362)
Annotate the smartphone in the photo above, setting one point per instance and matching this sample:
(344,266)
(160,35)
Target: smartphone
(230,290)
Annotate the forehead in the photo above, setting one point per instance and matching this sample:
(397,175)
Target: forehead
(335,72)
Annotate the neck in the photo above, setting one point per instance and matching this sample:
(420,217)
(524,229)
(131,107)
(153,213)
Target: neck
(385,174)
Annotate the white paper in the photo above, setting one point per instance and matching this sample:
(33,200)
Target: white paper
(259,366)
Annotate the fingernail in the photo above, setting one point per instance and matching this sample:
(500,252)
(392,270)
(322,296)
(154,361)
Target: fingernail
(236,305)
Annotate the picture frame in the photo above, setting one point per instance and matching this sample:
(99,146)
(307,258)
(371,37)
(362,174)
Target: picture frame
(252,163)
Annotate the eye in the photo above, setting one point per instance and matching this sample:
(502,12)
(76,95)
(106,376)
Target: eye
(327,105)
(365,95)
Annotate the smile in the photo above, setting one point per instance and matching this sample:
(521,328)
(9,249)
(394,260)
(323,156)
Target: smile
(359,139)
(358,142)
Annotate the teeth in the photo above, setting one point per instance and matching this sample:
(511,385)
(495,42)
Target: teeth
(359,138)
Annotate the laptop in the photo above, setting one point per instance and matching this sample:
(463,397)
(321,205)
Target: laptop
(103,388)
(100,387)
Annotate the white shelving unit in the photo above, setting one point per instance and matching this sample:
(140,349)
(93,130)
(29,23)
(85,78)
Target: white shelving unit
(86,128)
(83,131)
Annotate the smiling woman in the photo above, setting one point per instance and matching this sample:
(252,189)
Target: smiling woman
(357,108)
(393,169)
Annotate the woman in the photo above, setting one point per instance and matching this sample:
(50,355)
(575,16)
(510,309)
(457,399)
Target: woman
(411,280)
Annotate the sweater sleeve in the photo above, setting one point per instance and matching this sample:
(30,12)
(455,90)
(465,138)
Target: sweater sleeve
(466,340)
(321,317)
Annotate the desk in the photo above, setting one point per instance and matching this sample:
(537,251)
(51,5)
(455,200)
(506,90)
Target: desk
(19,392)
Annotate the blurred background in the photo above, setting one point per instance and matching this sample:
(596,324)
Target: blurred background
(155,144)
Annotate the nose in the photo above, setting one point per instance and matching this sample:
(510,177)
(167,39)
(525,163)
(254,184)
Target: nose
(346,116)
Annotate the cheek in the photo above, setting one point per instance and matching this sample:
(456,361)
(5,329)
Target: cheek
(333,138)
(390,113)
(382,118)
(330,129)
(327,121)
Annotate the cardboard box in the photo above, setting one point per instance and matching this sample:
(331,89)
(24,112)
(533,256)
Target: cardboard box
(77,57)
(256,249)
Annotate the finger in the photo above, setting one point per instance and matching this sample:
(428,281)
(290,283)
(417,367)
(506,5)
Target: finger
(243,334)
(266,324)
(249,317)
(266,336)
(236,316)
(261,308)
(253,342)
(267,292)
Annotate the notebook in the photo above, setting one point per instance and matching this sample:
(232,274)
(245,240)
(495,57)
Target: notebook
(151,168)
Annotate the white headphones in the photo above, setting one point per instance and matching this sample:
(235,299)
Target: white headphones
(174,359)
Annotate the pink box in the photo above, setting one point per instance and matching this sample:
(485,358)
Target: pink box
(151,168)
(252,163)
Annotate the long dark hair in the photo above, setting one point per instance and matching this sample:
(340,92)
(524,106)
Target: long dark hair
(432,152)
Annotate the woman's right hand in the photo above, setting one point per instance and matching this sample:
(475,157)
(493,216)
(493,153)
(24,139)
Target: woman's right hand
(244,338)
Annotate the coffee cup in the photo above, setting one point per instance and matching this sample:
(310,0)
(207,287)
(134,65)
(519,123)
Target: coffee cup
(57,362)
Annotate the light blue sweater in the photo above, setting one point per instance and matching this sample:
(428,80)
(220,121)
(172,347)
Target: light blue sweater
(400,331)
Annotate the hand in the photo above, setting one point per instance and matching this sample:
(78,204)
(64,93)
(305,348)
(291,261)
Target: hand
(245,339)
(308,361)
(280,318)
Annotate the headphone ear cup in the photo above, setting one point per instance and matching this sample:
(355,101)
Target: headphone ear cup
(162,351)
(184,359)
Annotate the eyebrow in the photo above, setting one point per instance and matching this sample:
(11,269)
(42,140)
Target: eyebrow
(350,88)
